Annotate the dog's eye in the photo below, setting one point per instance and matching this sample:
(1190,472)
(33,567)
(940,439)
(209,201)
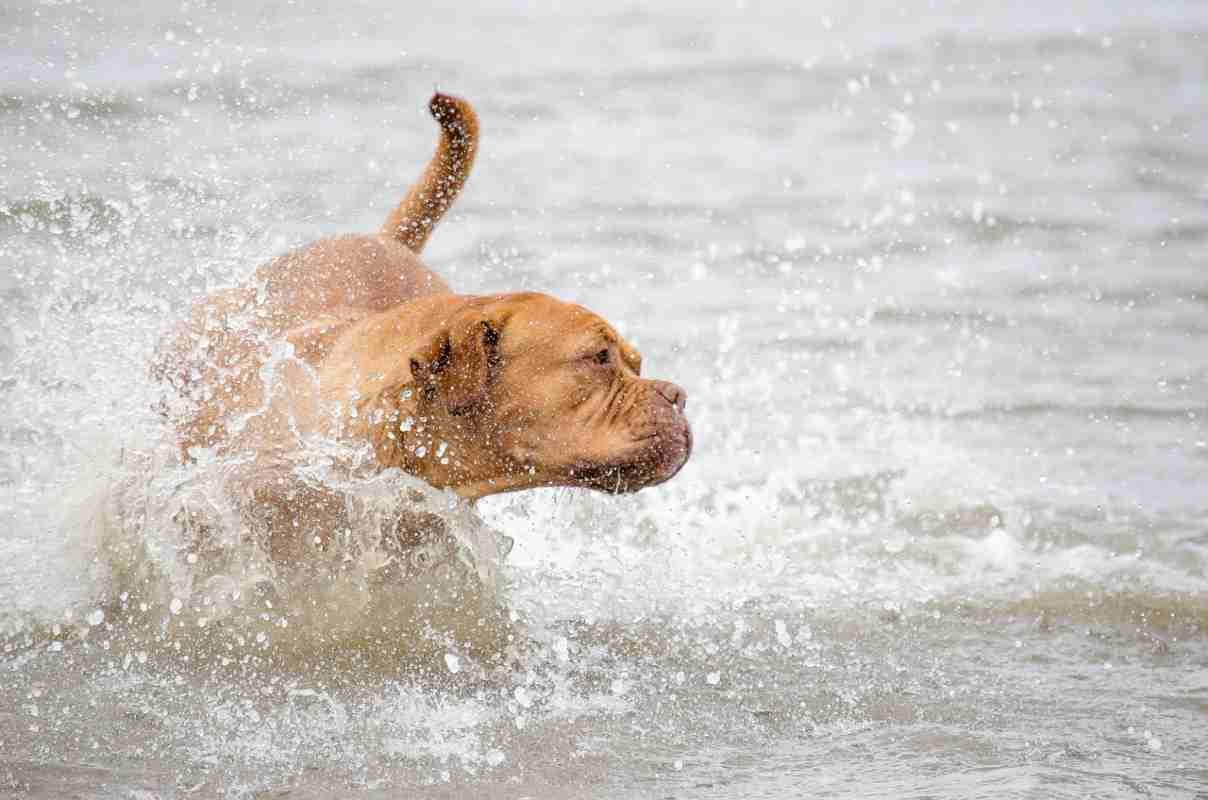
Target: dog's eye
(602,356)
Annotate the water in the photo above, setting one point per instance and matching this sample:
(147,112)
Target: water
(932,276)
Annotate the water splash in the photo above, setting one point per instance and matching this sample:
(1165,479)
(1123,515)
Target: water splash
(169,555)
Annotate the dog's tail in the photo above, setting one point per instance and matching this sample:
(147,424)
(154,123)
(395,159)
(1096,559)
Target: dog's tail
(446,173)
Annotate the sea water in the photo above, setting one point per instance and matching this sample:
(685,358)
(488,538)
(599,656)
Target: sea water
(932,275)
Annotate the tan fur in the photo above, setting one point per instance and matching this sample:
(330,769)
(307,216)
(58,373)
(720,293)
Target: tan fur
(360,341)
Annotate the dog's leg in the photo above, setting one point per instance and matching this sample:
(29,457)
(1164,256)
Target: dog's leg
(295,518)
(446,173)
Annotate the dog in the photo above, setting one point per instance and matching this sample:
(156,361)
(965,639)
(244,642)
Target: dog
(354,339)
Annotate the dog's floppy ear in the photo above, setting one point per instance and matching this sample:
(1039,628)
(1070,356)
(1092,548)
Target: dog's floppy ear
(457,363)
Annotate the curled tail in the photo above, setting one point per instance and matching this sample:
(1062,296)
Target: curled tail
(446,173)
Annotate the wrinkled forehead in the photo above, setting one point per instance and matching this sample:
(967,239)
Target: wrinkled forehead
(541,321)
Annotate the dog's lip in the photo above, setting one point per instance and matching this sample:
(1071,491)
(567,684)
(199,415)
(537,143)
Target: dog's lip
(619,476)
(688,442)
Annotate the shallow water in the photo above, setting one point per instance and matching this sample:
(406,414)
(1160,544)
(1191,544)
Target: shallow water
(933,278)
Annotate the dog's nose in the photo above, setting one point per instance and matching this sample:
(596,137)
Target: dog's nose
(675,395)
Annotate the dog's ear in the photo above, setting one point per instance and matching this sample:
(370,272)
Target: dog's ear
(456,365)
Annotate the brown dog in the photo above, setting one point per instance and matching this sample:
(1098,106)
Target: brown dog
(355,339)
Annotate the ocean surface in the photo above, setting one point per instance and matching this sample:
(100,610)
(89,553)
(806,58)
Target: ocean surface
(935,277)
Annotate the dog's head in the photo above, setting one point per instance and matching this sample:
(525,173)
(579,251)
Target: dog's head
(522,390)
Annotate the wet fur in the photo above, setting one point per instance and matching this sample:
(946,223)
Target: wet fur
(359,340)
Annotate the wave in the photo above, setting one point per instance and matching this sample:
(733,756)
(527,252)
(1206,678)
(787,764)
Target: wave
(1124,411)
(1152,613)
(86,107)
(170,564)
(87,220)
(79,216)
(975,318)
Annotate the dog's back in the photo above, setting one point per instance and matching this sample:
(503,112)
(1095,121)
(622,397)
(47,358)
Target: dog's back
(212,361)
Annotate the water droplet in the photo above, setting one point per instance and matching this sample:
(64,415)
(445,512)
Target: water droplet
(782,634)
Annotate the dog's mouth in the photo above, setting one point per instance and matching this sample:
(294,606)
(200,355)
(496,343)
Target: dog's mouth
(658,458)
